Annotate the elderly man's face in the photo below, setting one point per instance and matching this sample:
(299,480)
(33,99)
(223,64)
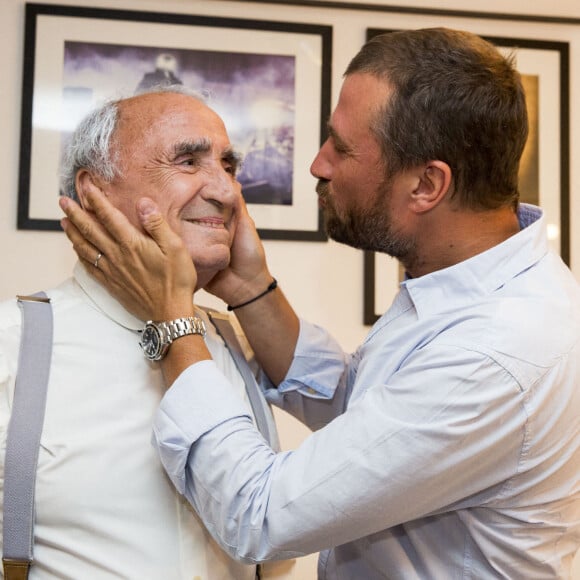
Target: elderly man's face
(175,150)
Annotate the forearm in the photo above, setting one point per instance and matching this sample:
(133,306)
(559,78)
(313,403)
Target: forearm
(271,327)
(183,353)
(262,505)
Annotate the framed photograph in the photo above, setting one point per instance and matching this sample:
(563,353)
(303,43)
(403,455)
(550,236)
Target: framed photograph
(544,177)
(269,81)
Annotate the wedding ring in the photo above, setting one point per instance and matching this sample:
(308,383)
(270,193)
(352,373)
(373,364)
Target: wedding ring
(96,262)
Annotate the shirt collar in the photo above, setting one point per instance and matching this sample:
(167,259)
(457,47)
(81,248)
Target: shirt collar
(484,273)
(110,306)
(101,298)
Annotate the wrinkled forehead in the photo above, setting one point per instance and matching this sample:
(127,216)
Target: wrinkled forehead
(157,118)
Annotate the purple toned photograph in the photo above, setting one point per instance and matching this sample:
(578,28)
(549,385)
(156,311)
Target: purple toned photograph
(268,80)
(253,93)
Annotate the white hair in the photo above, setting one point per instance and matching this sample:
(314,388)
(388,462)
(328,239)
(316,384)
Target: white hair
(90,145)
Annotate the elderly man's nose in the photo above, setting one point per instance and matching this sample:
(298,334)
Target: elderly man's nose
(222,187)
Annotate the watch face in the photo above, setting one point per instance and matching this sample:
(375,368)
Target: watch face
(151,342)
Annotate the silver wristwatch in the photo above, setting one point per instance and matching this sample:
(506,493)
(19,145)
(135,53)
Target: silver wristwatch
(157,336)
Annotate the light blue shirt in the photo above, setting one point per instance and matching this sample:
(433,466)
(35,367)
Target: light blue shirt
(450,447)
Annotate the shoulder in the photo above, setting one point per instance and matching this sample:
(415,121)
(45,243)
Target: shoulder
(9,314)
(217,319)
(10,325)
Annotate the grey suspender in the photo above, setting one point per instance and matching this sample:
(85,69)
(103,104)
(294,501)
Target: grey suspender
(23,438)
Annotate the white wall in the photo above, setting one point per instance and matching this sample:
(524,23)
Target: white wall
(323,280)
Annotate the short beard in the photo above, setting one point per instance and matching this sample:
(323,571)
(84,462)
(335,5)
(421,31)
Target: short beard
(369,229)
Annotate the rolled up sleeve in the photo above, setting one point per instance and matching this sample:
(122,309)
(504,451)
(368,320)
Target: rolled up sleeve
(184,415)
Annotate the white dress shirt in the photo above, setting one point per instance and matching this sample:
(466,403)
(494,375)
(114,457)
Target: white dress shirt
(104,506)
(450,447)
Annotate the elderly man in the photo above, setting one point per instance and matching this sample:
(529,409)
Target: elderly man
(448,445)
(104,506)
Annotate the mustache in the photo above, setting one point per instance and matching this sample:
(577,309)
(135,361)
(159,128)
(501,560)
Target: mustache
(322,188)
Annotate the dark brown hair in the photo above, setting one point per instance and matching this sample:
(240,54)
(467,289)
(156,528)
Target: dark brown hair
(454,98)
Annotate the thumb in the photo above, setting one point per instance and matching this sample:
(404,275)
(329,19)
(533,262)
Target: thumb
(154,224)
(149,214)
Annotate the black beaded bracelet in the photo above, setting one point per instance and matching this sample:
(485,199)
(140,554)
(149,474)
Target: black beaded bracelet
(271,287)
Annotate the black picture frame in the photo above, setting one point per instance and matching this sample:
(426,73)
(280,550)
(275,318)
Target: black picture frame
(293,216)
(550,59)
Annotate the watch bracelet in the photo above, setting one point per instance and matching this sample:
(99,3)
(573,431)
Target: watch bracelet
(183,326)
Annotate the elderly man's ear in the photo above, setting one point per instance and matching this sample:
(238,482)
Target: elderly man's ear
(86,181)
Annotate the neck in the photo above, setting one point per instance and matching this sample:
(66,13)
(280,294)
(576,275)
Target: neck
(450,237)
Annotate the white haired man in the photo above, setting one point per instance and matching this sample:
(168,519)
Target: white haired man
(104,506)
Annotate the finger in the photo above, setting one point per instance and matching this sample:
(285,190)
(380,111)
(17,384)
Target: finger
(84,231)
(113,221)
(243,212)
(239,201)
(88,255)
(86,251)
(96,272)
(156,226)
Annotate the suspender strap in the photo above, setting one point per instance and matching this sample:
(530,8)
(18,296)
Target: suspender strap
(23,437)
(257,401)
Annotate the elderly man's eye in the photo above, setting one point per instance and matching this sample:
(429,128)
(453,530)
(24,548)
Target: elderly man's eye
(231,163)
(231,169)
